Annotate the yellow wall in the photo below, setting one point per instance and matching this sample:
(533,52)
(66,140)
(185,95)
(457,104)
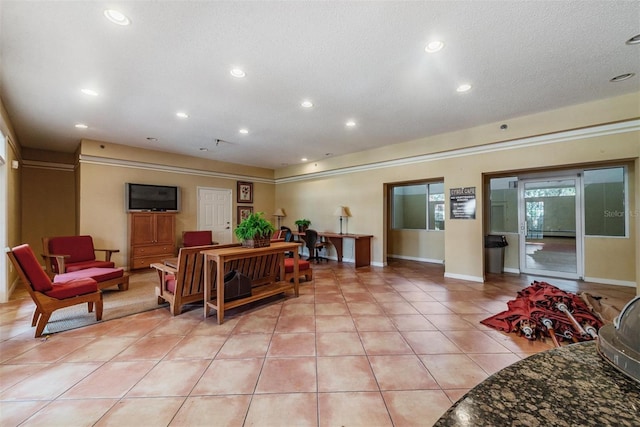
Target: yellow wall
(102,183)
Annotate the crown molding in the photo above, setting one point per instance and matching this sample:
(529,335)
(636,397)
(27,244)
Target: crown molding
(95,160)
(37,164)
(552,138)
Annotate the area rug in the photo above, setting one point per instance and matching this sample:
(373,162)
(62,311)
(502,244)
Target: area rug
(138,298)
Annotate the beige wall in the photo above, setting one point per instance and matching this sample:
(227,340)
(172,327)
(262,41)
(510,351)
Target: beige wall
(314,190)
(102,182)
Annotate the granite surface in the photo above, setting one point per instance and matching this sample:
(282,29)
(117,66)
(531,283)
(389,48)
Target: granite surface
(567,386)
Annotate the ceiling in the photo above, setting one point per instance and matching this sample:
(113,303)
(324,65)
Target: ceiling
(360,61)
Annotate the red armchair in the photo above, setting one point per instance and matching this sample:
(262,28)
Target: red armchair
(49,296)
(197,238)
(66,254)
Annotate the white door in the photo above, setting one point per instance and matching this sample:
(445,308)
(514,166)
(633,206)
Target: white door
(214,213)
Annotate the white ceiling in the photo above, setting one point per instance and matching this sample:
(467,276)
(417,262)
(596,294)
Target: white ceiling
(355,60)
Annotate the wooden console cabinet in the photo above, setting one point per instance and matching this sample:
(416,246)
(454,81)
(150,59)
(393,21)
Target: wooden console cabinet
(152,238)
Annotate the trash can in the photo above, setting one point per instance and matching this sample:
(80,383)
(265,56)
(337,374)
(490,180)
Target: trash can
(494,253)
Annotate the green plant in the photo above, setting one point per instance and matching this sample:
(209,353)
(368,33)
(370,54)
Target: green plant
(255,226)
(302,222)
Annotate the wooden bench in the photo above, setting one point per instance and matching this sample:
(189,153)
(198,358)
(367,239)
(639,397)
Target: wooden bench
(182,282)
(264,266)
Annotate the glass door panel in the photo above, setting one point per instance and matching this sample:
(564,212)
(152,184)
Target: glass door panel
(550,230)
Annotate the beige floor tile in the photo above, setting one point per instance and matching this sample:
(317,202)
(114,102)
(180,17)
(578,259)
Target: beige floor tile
(288,375)
(411,322)
(100,349)
(430,342)
(255,325)
(85,412)
(364,308)
(492,363)
(475,342)
(13,374)
(170,378)
(456,394)
(51,350)
(417,407)
(284,410)
(149,348)
(363,409)
(197,347)
(454,370)
(373,323)
(431,307)
(332,309)
(335,324)
(345,373)
(229,376)
(450,322)
(14,413)
(296,344)
(401,373)
(378,343)
(245,346)
(339,344)
(152,411)
(212,411)
(111,380)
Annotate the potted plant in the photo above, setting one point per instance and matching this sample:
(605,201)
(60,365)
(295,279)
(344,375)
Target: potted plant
(255,231)
(302,224)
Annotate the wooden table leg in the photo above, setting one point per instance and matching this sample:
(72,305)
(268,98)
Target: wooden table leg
(220,290)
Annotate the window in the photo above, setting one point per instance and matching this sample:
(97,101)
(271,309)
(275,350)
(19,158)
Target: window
(418,206)
(503,193)
(605,202)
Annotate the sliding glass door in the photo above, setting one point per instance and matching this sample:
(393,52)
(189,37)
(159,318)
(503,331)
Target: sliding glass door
(550,227)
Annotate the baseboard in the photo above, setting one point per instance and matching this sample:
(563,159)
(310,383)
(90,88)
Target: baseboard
(512,270)
(411,258)
(464,277)
(624,283)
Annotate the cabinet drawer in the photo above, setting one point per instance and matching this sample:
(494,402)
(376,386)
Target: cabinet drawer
(167,250)
(145,262)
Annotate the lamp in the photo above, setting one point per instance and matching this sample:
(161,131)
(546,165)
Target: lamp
(279,213)
(342,212)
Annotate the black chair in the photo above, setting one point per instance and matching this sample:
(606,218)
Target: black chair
(314,245)
(288,237)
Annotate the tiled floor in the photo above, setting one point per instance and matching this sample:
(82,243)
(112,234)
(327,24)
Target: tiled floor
(367,347)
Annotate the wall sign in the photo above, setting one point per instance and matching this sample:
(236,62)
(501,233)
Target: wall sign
(463,203)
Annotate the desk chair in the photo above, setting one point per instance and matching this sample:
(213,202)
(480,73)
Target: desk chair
(314,245)
(287,235)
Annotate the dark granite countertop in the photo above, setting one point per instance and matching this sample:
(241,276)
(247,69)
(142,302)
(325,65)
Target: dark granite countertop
(567,386)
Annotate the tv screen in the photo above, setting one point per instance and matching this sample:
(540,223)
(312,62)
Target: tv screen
(144,197)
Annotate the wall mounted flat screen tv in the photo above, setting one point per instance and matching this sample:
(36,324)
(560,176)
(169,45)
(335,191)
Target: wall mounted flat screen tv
(158,198)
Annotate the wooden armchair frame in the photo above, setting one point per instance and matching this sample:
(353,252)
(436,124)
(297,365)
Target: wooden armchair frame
(46,305)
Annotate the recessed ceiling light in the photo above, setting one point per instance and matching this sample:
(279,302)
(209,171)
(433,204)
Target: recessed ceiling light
(463,88)
(116,17)
(204,149)
(152,139)
(237,72)
(244,131)
(89,92)
(434,46)
(622,77)
(350,123)
(304,159)
(81,126)
(182,115)
(306,104)
(634,40)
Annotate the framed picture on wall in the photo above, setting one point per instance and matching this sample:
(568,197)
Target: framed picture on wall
(245,192)
(244,212)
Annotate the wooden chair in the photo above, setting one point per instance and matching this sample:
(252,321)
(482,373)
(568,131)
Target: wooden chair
(183,283)
(49,296)
(66,254)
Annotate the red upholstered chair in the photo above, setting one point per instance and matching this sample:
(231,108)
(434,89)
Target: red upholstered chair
(304,269)
(49,296)
(197,238)
(66,254)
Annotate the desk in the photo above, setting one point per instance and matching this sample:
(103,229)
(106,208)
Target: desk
(361,245)
(261,272)
(571,385)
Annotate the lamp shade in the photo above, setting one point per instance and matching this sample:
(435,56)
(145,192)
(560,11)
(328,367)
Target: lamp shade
(279,212)
(342,211)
